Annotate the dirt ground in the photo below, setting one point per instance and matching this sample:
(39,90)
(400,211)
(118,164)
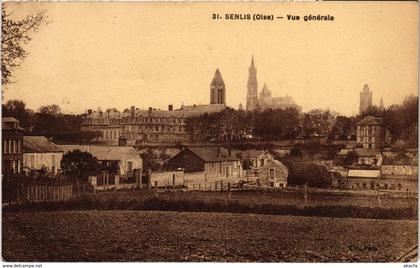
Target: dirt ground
(185,236)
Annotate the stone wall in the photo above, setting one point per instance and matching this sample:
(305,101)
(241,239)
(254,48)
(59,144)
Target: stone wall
(397,170)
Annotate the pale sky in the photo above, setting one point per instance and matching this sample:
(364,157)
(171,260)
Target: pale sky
(108,55)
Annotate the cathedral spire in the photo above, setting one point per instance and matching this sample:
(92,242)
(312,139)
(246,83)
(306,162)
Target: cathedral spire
(381,104)
(252,95)
(252,62)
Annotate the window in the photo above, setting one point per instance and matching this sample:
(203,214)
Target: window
(53,164)
(18,166)
(32,162)
(5,146)
(271,173)
(261,162)
(129,166)
(13,166)
(19,146)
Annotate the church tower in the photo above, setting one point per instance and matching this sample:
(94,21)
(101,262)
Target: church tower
(365,99)
(252,95)
(217,89)
(381,105)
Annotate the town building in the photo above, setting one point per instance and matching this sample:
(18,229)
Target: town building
(365,99)
(135,126)
(125,159)
(214,162)
(273,174)
(40,153)
(265,100)
(256,158)
(12,140)
(370,133)
(388,179)
(369,157)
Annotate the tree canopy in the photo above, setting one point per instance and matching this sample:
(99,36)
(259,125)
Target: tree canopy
(79,164)
(15,34)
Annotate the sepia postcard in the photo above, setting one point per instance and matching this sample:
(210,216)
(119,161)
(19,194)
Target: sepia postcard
(233,132)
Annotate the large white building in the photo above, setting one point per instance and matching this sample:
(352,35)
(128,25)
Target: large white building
(39,153)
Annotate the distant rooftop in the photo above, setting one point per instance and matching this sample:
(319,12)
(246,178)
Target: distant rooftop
(371,120)
(39,144)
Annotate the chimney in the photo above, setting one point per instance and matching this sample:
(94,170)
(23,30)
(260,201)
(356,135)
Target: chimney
(170,107)
(150,110)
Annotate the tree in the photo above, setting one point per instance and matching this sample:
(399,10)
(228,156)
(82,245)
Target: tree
(16,33)
(17,109)
(79,164)
(152,161)
(350,158)
(302,171)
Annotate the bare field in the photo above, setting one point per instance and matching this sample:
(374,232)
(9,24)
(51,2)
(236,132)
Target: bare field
(192,236)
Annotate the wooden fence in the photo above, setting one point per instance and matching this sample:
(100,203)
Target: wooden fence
(210,186)
(34,193)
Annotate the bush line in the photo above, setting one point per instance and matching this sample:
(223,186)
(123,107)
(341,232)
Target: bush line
(186,205)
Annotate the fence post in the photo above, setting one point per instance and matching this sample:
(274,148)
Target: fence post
(156,189)
(173,183)
(229,192)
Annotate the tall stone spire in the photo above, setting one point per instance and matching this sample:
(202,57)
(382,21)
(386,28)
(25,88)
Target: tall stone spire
(217,89)
(252,95)
(381,104)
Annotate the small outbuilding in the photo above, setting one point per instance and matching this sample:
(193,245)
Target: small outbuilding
(273,174)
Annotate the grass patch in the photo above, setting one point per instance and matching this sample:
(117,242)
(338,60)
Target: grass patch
(174,202)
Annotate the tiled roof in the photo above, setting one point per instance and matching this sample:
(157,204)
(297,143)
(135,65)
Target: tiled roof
(213,154)
(371,120)
(275,163)
(366,152)
(9,119)
(9,123)
(253,153)
(104,153)
(39,144)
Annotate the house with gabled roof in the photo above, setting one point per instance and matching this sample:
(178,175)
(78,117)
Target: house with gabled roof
(214,162)
(41,153)
(125,158)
